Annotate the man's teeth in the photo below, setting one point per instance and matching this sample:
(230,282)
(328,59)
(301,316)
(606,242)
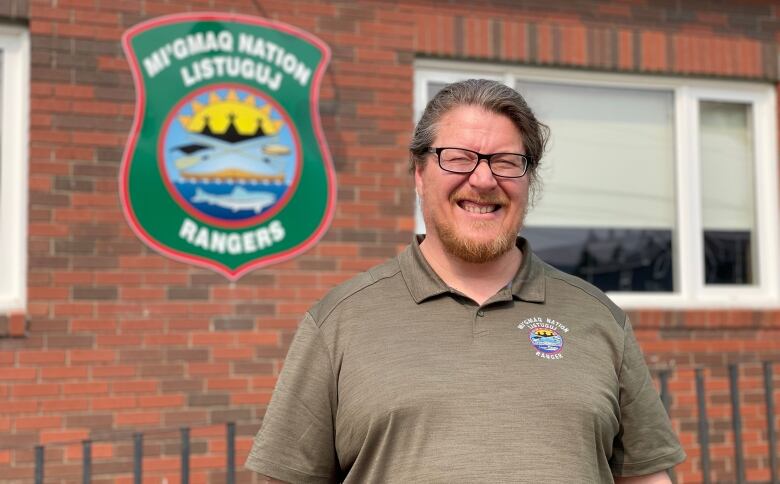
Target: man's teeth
(475,208)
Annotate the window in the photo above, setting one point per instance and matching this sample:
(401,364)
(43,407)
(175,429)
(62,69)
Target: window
(14,114)
(660,191)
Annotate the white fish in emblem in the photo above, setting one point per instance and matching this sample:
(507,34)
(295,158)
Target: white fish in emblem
(238,199)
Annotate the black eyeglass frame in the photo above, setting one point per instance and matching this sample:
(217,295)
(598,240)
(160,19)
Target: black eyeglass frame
(481,156)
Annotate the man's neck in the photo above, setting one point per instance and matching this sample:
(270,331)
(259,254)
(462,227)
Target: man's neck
(479,281)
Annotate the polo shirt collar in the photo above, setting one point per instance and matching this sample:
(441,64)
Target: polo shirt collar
(423,282)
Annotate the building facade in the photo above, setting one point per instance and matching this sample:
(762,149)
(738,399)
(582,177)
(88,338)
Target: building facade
(660,186)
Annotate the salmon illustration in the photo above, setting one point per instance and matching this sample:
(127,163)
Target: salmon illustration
(238,199)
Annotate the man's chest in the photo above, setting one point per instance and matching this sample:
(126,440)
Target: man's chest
(453,372)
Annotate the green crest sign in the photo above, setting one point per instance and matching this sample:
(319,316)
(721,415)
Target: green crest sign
(226,165)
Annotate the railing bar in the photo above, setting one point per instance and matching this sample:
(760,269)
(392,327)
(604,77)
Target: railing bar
(770,420)
(231,453)
(704,438)
(38,464)
(185,455)
(663,377)
(86,465)
(138,457)
(736,422)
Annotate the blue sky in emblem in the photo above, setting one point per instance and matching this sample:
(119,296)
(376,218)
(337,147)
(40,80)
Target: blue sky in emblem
(177,137)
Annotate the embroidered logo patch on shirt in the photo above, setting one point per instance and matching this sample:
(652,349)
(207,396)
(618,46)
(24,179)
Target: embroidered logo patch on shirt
(546,336)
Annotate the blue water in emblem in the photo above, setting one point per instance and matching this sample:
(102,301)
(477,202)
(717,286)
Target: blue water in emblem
(231,202)
(547,344)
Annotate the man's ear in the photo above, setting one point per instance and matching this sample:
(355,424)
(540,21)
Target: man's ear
(418,180)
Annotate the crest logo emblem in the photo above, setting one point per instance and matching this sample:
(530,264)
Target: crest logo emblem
(546,336)
(226,165)
(546,340)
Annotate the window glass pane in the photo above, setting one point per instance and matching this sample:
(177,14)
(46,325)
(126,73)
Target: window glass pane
(1,116)
(433,88)
(607,212)
(728,213)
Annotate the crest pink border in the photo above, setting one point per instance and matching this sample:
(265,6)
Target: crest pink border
(140,105)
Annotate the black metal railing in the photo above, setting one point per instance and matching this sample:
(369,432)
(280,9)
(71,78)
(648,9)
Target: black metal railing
(702,429)
(138,457)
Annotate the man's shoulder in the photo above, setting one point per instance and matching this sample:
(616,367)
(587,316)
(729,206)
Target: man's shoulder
(353,288)
(586,290)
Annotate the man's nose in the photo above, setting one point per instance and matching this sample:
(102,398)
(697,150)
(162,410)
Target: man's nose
(482,177)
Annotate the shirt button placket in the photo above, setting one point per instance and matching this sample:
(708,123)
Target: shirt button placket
(479,322)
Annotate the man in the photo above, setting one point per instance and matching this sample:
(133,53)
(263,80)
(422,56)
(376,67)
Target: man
(466,358)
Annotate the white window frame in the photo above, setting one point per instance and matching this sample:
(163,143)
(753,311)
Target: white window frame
(14,118)
(690,290)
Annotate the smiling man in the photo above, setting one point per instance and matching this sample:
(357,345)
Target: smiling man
(466,358)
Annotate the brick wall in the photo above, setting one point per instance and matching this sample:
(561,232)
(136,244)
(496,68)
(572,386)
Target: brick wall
(120,339)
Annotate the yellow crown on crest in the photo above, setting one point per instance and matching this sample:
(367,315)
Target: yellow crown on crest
(231,117)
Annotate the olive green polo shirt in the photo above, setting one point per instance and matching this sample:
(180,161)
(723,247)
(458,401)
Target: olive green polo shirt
(395,377)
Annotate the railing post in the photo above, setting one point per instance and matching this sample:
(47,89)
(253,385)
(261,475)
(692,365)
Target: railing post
(86,465)
(185,455)
(663,377)
(769,389)
(231,453)
(736,422)
(138,457)
(38,464)
(704,437)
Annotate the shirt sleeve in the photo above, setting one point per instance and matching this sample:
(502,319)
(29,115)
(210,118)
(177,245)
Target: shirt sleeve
(645,443)
(296,441)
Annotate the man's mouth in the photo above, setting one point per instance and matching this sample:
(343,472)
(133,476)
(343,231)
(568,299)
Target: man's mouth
(474,207)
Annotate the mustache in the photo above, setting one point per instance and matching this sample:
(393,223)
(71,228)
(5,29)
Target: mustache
(490,199)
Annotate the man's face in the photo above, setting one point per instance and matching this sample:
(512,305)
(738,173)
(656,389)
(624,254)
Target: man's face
(473,217)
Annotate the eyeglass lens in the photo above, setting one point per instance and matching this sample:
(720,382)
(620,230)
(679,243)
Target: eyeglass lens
(464,161)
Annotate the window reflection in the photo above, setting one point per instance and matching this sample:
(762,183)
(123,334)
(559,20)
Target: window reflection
(612,259)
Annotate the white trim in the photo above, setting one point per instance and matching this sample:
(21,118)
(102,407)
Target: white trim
(690,290)
(15,45)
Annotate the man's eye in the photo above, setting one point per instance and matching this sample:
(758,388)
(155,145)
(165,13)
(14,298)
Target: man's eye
(507,162)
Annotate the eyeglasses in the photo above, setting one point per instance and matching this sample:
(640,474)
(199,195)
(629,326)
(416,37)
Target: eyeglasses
(460,160)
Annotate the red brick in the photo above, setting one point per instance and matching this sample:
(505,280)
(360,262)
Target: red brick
(15,406)
(259,338)
(250,398)
(92,388)
(165,340)
(135,386)
(18,374)
(35,390)
(113,371)
(212,339)
(208,368)
(227,384)
(137,418)
(70,405)
(38,422)
(233,353)
(118,340)
(59,373)
(161,401)
(73,309)
(58,436)
(113,403)
(91,356)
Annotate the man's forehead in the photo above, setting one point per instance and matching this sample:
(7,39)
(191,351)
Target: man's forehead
(458,119)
